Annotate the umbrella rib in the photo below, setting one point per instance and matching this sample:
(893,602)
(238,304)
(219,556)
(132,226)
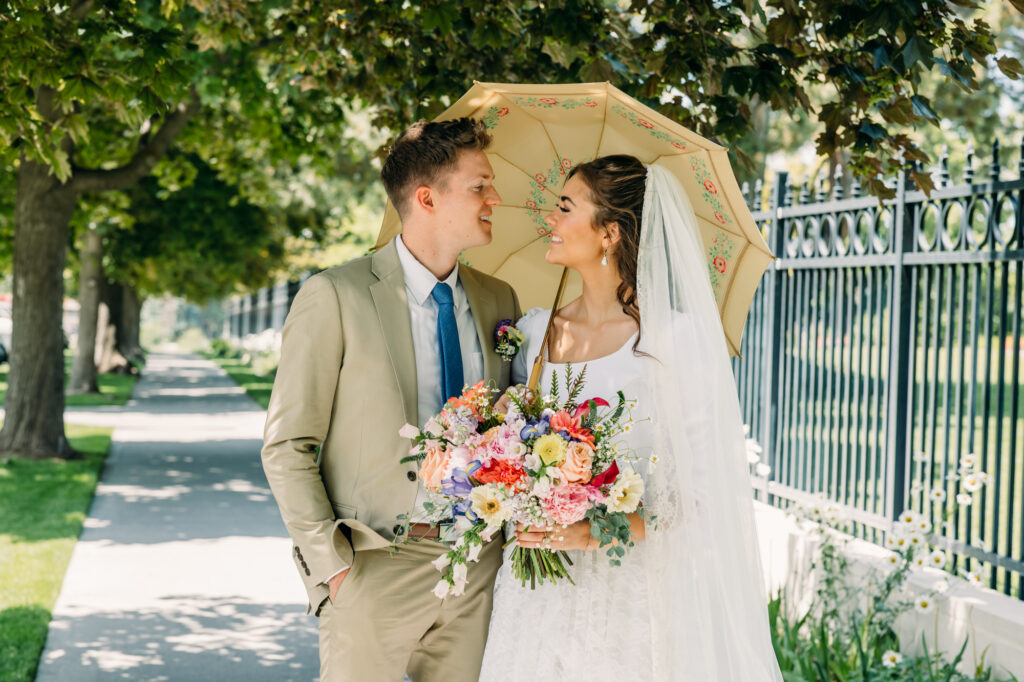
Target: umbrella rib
(526,173)
(604,124)
(512,253)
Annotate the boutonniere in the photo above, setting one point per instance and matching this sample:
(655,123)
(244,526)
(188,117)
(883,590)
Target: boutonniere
(507,340)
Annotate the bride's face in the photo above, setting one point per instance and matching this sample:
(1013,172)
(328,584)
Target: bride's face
(575,242)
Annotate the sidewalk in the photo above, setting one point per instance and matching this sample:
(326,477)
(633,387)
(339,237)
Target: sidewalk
(183,569)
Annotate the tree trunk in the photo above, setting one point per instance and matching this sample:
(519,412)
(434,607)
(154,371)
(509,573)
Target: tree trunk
(34,420)
(83,370)
(108,356)
(128,337)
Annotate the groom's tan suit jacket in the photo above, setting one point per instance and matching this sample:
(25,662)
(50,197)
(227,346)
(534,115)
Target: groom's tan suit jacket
(346,384)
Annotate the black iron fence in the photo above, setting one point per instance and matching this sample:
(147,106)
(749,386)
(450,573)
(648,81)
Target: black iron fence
(882,359)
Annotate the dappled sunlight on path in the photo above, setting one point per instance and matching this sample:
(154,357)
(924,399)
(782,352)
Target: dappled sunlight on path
(182,571)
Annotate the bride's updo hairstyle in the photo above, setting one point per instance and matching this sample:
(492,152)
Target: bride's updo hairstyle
(617,184)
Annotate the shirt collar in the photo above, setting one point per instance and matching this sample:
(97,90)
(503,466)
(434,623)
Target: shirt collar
(420,282)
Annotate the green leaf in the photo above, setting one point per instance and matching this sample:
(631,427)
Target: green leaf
(922,107)
(560,53)
(597,71)
(1011,67)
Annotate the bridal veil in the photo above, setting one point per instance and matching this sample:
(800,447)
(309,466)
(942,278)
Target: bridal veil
(709,617)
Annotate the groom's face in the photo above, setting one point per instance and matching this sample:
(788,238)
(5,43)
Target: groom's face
(466,201)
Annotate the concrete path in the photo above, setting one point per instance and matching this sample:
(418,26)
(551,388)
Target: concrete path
(183,570)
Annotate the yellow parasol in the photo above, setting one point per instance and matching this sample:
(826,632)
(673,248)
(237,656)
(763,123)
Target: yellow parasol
(542,131)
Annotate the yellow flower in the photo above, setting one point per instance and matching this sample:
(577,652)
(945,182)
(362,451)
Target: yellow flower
(551,449)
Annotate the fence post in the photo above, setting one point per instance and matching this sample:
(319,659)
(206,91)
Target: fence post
(901,315)
(770,436)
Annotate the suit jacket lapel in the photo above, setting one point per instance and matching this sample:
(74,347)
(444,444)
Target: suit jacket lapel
(482,303)
(392,304)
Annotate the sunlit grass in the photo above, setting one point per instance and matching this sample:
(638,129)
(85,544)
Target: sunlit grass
(44,505)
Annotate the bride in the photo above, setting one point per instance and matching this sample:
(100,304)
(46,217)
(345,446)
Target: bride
(687,601)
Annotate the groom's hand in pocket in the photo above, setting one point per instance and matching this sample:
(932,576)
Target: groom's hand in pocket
(334,583)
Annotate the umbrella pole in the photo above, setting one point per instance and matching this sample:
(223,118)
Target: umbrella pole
(538,364)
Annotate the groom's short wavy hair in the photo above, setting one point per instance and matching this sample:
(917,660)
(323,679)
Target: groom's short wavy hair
(426,152)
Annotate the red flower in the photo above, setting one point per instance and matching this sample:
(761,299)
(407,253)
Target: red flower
(719,263)
(590,103)
(502,471)
(543,233)
(645,123)
(679,145)
(531,204)
(548,100)
(563,421)
(566,163)
(584,409)
(719,217)
(503,112)
(539,177)
(607,476)
(710,186)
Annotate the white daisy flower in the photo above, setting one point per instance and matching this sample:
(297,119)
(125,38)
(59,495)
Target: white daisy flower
(952,476)
(763,470)
(937,558)
(894,559)
(941,586)
(924,605)
(923,526)
(921,456)
(984,477)
(968,461)
(908,517)
(964,499)
(979,542)
(920,561)
(972,483)
(937,495)
(915,539)
(974,578)
(897,542)
(916,487)
(891,659)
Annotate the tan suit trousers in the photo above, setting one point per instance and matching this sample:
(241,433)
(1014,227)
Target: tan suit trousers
(385,620)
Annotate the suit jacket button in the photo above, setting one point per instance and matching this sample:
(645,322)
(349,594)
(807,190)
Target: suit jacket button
(398,529)
(307,571)
(411,475)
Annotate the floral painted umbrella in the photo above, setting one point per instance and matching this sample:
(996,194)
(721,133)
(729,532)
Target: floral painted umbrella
(542,131)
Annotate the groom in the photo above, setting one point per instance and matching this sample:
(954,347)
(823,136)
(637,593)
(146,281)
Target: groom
(367,347)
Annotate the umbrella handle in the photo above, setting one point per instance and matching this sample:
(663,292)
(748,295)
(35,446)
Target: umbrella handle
(538,364)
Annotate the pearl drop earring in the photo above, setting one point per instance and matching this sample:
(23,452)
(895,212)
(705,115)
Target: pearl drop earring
(604,258)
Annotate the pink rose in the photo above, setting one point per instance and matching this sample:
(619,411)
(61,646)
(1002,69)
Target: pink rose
(579,458)
(566,504)
(433,467)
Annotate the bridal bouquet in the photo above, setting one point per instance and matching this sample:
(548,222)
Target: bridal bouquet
(544,464)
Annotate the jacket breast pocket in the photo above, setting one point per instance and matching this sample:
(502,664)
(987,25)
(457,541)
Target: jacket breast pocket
(345,511)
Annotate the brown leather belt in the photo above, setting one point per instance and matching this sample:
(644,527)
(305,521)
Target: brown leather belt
(425,531)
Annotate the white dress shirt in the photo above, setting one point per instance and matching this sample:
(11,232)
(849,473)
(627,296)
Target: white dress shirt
(419,283)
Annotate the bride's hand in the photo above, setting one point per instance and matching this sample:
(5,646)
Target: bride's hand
(504,402)
(575,536)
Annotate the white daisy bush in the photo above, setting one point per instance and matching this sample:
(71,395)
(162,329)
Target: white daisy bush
(852,620)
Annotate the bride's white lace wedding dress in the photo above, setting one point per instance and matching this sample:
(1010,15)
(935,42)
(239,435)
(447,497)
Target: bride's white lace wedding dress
(607,609)
(687,604)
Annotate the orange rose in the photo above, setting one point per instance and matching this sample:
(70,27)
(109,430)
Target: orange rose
(579,457)
(433,467)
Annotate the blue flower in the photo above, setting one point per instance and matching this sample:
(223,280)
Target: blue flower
(535,429)
(458,485)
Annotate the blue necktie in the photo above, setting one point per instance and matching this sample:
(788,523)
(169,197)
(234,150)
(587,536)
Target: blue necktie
(448,342)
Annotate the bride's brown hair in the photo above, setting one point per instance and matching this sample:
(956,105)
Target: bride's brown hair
(617,184)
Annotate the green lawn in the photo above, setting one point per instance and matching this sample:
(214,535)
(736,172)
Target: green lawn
(44,505)
(256,385)
(115,389)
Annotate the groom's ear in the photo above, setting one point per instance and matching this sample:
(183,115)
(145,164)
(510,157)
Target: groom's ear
(424,198)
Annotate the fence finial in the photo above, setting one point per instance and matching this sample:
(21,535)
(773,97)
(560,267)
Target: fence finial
(969,165)
(805,193)
(944,167)
(758,191)
(993,171)
(745,191)
(837,182)
(855,188)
